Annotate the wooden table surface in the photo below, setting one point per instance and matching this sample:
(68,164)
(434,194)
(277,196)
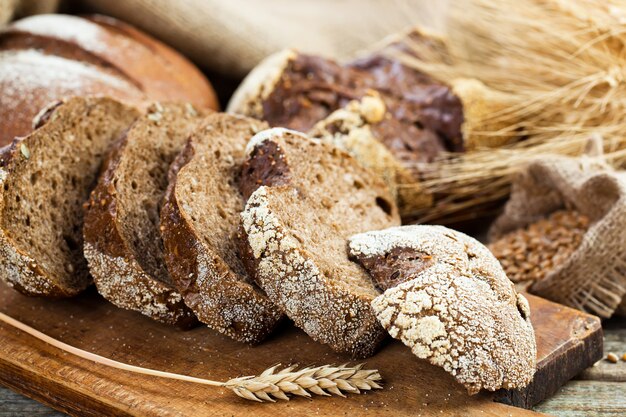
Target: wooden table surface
(599,391)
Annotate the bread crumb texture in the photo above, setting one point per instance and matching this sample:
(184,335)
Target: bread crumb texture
(460,313)
(42,192)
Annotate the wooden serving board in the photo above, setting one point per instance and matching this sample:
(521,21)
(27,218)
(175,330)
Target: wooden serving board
(568,341)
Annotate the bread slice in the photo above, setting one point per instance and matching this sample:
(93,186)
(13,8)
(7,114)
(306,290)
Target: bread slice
(312,197)
(199,222)
(46,177)
(123,244)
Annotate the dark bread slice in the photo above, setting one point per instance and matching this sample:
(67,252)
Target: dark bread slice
(123,244)
(312,197)
(199,222)
(46,177)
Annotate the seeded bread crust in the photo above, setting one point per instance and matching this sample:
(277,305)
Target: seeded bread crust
(320,290)
(211,279)
(45,178)
(130,273)
(448,299)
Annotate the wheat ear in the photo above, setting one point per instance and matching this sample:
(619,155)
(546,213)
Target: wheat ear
(270,385)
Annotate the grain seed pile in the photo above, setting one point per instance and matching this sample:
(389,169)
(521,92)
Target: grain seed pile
(531,253)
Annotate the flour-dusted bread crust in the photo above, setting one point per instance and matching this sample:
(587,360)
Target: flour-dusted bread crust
(259,84)
(46,177)
(306,198)
(123,244)
(47,57)
(199,223)
(448,299)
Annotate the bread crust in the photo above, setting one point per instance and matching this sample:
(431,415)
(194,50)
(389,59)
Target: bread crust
(117,273)
(47,57)
(155,68)
(208,285)
(329,314)
(259,84)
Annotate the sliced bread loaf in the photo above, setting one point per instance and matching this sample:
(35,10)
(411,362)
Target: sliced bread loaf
(123,244)
(46,177)
(312,197)
(199,222)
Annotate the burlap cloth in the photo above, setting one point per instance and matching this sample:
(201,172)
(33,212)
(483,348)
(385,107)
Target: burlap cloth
(232,36)
(594,277)
(13,9)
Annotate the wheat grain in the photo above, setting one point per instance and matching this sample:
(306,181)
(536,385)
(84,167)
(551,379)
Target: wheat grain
(270,385)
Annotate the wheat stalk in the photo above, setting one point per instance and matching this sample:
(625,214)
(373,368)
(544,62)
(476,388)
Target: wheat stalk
(561,66)
(270,385)
(321,380)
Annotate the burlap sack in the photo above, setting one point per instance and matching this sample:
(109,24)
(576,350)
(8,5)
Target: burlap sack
(13,9)
(232,36)
(594,277)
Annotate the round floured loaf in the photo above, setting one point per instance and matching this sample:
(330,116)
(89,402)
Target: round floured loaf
(46,177)
(47,57)
(199,223)
(448,299)
(123,245)
(306,198)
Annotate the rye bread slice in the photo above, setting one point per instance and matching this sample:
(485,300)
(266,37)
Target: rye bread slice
(306,198)
(46,177)
(123,244)
(199,222)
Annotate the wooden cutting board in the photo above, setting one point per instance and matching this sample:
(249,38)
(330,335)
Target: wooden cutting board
(568,341)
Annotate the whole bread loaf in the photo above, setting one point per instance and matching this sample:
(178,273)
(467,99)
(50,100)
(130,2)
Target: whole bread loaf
(45,179)
(123,243)
(199,223)
(47,57)
(306,198)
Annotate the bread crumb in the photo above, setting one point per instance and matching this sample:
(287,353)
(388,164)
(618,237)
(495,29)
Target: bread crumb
(373,108)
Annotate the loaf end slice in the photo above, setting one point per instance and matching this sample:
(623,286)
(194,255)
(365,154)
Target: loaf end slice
(199,223)
(306,198)
(46,177)
(123,244)
(448,299)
